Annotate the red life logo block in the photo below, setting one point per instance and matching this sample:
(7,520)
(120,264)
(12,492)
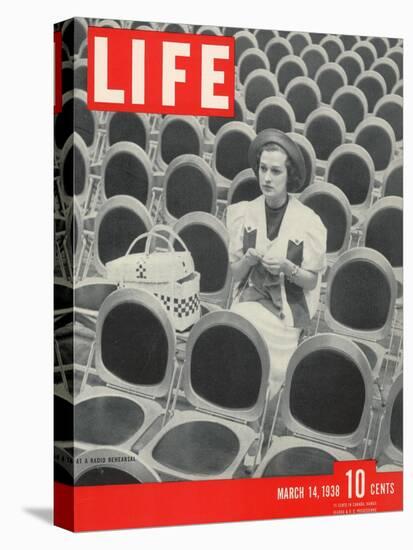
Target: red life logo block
(155,72)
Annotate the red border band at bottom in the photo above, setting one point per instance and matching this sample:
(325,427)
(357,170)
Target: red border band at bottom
(347,491)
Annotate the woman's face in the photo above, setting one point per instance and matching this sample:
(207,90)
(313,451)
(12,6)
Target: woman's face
(273,176)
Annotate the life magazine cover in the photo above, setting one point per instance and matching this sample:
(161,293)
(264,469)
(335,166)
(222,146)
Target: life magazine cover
(228,274)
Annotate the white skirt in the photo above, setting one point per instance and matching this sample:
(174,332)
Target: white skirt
(280,339)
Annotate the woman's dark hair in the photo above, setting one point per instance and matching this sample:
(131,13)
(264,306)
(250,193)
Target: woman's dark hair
(293,177)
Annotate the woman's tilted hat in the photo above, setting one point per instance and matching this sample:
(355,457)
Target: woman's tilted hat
(270,135)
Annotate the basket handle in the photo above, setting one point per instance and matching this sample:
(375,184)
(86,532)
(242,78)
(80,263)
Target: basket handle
(155,232)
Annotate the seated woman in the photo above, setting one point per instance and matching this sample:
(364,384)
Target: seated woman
(277,251)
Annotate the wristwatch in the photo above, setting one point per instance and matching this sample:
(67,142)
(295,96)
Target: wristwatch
(293,273)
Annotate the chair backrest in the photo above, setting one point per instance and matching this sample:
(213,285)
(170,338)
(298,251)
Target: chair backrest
(230,154)
(120,220)
(393,179)
(230,31)
(274,112)
(333,46)
(111,466)
(189,186)
(263,36)
(328,391)
(207,240)
(243,41)
(361,294)
(215,123)
(351,103)
(304,96)
(316,37)
(80,74)
(396,53)
(351,169)
(74,232)
(127,170)
(298,41)
(307,150)
(377,137)
(288,68)
(383,229)
(398,88)
(367,52)
(381,44)
(314,56)
(389,70)
(276,49)
(326,130)
(373,86)
(109,23)
(74,169)
(331,204)
(209,30)
(390,438)
(348,40)
(330,77)
(175,27)
(178,135)
(133,127)
(90,294)
(75,116)
(74,31)
(135,342)
(67,76)
(259,84)
(251,59)
(226,366)
(244,187)
(390,109)
(352,64)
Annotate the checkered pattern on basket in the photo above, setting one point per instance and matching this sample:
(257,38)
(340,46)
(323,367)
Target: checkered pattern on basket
(141,271)
(183,307)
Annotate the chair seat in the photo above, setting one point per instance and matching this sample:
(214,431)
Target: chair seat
(199,448)
(299,461)
(106,476)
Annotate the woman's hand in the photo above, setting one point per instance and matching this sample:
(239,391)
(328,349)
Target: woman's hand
(274,265)
(252,256)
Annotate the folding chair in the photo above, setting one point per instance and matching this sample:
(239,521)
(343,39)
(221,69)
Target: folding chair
(230,154)
(127,170)
(329,78)
(225,379)
(378,139)
(316,37)
(259,84)
(367,52)
(308,153)
(351,169)
(209,30)
(67,77)
(140,24)
(189,186)
(74,31)
(381,44)
(314,56)
(276,49)
(263,36)
(207,240)
(243,41)
(389,70)
(373,85)
(393,179)
(119,467)
(75,116)
(251,59)
(325,129)
(390,109)
(120,220)
(244,187)
(298,41)
(132,127)
(274,112)
(383,231)
(351,103)
(360,301)
(178,135)
(109,24)
(135,359)
(352,63)
(348,40)
(175,27)
(304,96)
(333,208)
(389,446)
(80,74)
(333,46)
(214,124)
(398,88)
(325,406)
(396,54)
(74,170)
(289,68)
